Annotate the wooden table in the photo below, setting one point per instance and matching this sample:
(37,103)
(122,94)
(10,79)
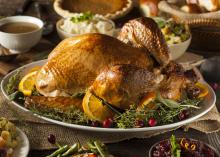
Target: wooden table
(128,148)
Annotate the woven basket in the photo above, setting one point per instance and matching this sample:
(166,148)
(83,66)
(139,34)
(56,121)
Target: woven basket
(205,27)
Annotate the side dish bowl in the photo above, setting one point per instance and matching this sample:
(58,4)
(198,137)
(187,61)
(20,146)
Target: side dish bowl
(177,50)
(191,143)
(20,42)
(74,26)
(23,147)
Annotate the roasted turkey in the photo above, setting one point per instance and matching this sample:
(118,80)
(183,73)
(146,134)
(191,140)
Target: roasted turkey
(119,71)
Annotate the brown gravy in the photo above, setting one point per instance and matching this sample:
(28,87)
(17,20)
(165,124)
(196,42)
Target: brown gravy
(18,27)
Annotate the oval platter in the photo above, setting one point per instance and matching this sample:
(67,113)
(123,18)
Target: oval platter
(206,105)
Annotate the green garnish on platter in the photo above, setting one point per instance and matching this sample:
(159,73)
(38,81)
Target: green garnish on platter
(165,111)
(72,115)
(84,17)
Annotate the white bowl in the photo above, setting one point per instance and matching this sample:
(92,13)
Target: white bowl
(177,50)
(208,145)
(21,42)
(63,34)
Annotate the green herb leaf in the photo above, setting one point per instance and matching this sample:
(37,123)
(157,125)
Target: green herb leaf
(85,17)
(72,115)
(172,103)
(160,22)
(168,102)
(12,84)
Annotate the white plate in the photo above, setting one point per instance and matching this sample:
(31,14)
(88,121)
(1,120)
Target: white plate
(23,146)
(206,106)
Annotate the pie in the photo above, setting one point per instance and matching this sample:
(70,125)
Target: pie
(111,9)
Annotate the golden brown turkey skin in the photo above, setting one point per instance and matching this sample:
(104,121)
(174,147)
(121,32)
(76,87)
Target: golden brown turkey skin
(75,63)
(124,85)
(145,34)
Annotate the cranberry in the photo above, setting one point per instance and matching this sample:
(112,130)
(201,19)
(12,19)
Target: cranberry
(51,138)
(108,123)
(215,86)
(183,115)
(152,122)
(139,123)
(94,123)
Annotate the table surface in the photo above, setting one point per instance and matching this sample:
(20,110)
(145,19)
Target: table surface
(128,148)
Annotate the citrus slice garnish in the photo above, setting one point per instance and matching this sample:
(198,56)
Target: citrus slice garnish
(147,100)
(203,90)
(27,83)
(95,109)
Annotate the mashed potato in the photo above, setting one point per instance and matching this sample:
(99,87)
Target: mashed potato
(88,24)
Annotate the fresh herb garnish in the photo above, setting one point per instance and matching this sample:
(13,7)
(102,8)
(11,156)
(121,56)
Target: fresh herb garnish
(175,147)
(72,115)
(166,111)
(84,17)
(13,82)
(127,119)
(17,96)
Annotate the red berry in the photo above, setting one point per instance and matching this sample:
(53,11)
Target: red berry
(51,138)
(215,86)
(183,115)
(139,123)
(108,123)
(152,122)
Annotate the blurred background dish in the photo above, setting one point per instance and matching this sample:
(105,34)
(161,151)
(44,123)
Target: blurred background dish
(20,33)
(210,69)
(111,9)
(177,50)
(177,36)
(13,142)
(23,147)
(84,23)
(203,18)
(182,147)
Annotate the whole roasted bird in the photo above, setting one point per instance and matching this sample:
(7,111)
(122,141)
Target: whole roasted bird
(119,71)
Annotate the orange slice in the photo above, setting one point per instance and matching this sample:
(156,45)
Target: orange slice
(203,90)
(27,83)
(146,101)
(94,108)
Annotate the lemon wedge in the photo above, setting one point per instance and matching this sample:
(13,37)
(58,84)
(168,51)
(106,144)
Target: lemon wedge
(27,83)
(94,108)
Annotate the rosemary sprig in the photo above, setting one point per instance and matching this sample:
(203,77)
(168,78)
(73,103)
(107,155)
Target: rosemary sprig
(72,115)
(165,112)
